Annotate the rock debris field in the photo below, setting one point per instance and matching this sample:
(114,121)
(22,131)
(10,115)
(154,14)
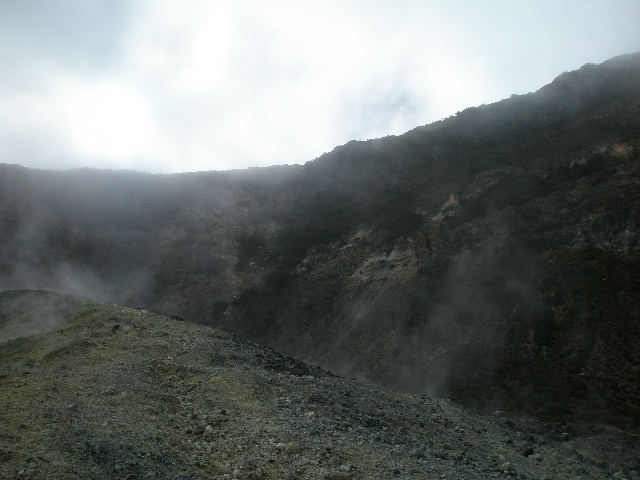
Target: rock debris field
(90,390)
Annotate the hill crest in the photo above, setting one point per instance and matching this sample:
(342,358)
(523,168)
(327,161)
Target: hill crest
(123,393)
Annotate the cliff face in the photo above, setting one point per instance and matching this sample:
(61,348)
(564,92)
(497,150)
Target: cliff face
(490,257)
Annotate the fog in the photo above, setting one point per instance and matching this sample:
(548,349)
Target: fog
(79,232)
(362,262)
(485,295)
(24,315)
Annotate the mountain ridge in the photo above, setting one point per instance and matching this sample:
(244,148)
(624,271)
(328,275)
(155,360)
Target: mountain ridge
(489,257)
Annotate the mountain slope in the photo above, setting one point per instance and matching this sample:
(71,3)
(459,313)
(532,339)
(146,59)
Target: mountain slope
(94,390)
(491,257)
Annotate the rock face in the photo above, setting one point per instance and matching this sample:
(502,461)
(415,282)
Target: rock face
(491,257)
(102,391)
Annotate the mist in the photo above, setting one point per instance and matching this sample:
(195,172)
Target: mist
(483,257)
(486,294)
(77,232)
(33,313)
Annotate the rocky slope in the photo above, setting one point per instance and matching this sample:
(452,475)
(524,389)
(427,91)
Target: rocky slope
(491,257)
(92,390)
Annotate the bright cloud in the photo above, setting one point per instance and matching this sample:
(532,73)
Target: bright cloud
(107,120)
(166,86)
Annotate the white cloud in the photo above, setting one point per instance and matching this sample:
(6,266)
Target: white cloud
(197,85)
(107,120)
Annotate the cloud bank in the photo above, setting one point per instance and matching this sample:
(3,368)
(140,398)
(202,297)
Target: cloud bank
(166,86)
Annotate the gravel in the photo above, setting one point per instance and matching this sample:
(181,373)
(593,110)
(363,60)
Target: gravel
(155,398)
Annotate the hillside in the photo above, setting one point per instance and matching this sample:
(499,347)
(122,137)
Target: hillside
(491,257)
(92,390)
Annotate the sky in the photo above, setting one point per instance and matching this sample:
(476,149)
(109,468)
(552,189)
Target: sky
(166,86)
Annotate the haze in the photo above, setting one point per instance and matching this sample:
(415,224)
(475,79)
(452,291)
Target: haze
(164,86)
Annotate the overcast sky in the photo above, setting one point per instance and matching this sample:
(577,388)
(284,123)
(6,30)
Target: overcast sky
(190,85)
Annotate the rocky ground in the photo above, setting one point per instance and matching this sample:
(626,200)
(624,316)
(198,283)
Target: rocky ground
(92,390)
